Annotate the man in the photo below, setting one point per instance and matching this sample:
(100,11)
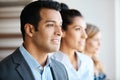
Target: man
(41,30)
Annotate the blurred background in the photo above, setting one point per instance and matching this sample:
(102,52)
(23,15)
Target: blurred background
(102,13)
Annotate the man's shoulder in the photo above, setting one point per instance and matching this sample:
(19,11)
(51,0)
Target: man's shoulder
(59,69)
(56,63)
(57,66)
(8,59)
(6,65)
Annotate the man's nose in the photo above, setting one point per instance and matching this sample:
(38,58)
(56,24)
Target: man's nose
(58,30)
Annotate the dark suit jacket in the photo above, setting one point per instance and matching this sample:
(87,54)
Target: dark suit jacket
(14,67)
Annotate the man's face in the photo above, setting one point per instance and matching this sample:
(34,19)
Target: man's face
(48,36)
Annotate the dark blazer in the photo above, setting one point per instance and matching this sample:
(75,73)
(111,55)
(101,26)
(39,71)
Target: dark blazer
(14,67)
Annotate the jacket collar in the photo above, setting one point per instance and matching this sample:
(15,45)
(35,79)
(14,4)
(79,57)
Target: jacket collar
(22,67)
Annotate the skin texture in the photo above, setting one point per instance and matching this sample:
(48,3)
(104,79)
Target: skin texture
(47,38)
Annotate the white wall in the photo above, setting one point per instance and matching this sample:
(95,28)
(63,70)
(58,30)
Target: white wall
(117,10)
(102,14)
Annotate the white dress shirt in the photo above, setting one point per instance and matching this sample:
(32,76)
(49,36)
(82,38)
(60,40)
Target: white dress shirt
(85,66)
(39,72)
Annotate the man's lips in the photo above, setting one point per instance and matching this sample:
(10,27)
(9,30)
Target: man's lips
(57,41)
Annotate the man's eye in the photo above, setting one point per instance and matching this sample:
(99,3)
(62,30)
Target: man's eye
(77,28)
(50,25)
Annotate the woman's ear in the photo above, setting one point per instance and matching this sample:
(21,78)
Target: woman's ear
(29,29)
(63,33)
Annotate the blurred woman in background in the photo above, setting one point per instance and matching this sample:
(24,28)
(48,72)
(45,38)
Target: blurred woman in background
(91,48)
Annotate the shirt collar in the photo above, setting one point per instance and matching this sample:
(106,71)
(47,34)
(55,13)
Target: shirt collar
(30,60)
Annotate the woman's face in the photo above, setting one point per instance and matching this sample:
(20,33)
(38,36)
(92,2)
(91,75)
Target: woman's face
(93,44)
(75,35)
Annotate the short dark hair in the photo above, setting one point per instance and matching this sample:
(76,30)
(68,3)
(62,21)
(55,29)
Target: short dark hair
(31,13)
(67,17)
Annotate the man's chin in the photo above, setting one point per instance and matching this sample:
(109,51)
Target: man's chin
(54,50)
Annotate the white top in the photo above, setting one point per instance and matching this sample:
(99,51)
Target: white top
(85,66)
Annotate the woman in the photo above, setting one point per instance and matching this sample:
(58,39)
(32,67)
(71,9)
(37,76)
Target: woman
(92,47)
(78,65)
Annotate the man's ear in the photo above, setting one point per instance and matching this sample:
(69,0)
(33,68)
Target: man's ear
(29,29)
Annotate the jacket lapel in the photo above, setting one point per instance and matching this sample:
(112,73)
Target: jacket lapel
(58,71)
(22,68)
(25,72)
(53,72)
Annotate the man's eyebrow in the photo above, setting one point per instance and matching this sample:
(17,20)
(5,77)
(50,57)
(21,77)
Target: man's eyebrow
(77,26)
(50,21)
